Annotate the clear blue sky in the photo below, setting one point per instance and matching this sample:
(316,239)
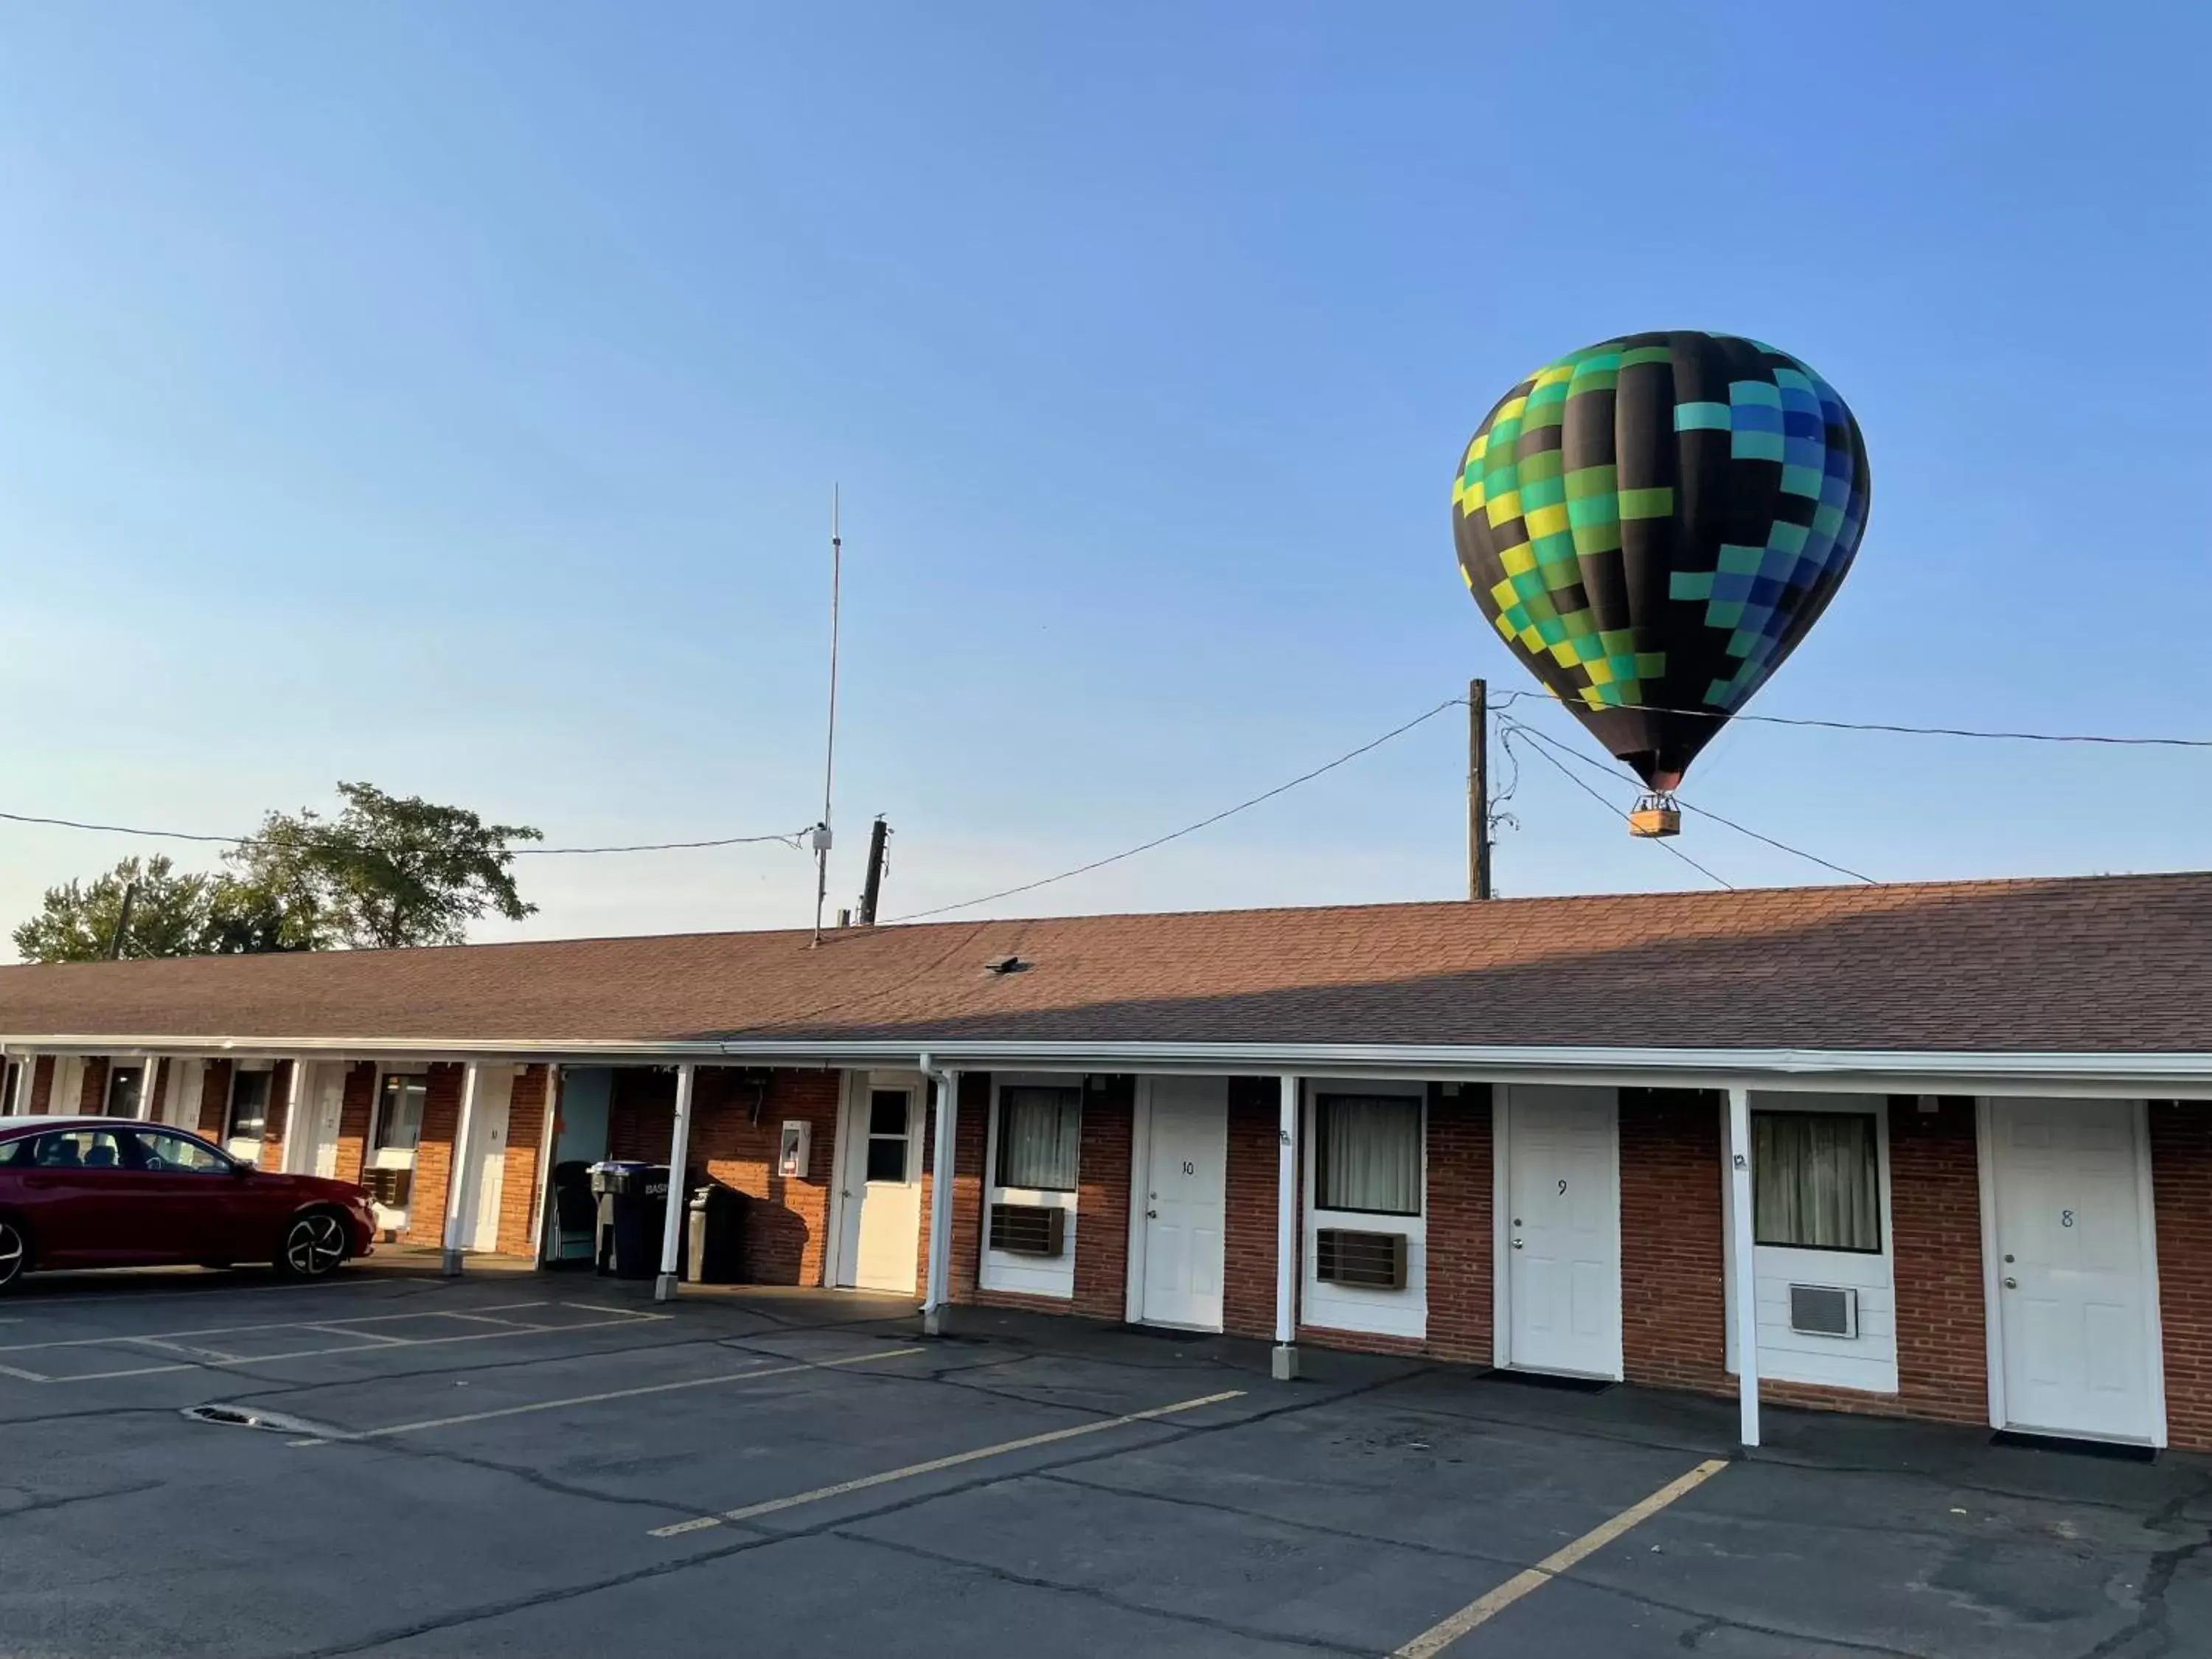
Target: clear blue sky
(450,396)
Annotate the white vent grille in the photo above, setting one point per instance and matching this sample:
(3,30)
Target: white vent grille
(1824,1311)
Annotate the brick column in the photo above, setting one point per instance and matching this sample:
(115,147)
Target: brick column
(1673,1300)
(1935,1231)
(1102,1222)
(214,1099)
(434,1155)
(2181,1189)
(1248,1244)
(1460,1224)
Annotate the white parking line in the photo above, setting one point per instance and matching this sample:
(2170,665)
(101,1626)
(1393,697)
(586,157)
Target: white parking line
(1435,1639)
(772,1505)
(301,1325)
(748,1376)
(215,1360)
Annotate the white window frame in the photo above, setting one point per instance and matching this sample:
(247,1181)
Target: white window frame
(1325,1306)
(393,1158)
(237,1069)
(1865,1364)
(1002,1270)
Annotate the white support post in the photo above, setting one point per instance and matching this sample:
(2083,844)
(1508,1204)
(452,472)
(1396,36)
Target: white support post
(1742,1260)
(1288,1254)
(295,1095)
(679,1153)
(150,1091)
(19,1100)
(940,1200)
(456,1176)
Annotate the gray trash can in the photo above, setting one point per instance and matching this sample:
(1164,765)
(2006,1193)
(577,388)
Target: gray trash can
(714,1227)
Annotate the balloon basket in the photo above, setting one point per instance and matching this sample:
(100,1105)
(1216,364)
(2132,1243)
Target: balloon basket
(1654,816)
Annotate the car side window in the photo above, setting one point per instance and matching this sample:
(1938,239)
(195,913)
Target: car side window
(78,1149)
(15,1151)
(166,1154)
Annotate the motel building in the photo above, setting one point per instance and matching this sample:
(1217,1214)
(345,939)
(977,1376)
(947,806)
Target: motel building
(1941,1151)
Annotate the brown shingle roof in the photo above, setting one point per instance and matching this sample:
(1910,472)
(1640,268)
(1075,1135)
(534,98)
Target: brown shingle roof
(2111,964)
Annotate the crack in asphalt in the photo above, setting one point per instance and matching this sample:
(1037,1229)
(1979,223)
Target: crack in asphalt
(1122,1603)
(40,1504)
(2153,1625)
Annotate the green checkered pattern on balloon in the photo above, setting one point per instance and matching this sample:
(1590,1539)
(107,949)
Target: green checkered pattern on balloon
(1574,526)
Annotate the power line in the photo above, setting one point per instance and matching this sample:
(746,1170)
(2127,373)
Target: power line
(2108,739)
(1702,812)
(1190,828)
(790,839)
(1506,730)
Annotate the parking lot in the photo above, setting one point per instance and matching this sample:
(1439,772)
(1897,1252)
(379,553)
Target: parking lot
(553,1465)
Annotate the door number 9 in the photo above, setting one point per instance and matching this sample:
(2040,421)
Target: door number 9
(1563,1189)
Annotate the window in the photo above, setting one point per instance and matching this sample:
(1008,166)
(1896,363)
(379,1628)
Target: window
(1040,1137)
(15,1151)
(400,1112)
(1367,1154)
(1816,1180)
(78,1149)
(125,1088)
(887,1125)
(167,1154)
(249,1105)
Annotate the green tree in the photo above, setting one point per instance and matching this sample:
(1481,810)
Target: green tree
(172,914)
(386,871)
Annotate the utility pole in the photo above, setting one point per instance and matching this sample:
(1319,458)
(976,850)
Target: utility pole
(122,922)
(1478,789)
(821,837)
(877,838)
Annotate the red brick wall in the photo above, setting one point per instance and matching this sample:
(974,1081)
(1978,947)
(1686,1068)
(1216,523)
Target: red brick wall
(1461,1227)
(92,1092)
(518,1187)
(434,1155)
(1936,1226)
(1672,1298)
(214,1099)
(2181,1188)
(1248,1291)
(786,1230)
(355,1106)
(1102,1225)
(157,1089)
(42,1083)
(971,1138)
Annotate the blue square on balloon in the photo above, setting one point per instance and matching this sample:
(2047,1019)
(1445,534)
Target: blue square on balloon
(1755,446)
(1731,586)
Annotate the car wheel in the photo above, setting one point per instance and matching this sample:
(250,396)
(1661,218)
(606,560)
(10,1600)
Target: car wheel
(14,1253)
(314,1244)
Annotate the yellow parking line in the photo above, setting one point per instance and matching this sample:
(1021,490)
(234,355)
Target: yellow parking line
(1483,1609)
(774,1504)
(596,1399)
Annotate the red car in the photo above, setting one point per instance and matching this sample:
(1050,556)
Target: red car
(104,1192)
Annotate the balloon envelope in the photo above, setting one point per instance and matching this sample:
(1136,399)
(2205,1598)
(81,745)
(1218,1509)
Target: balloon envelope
(1653,523)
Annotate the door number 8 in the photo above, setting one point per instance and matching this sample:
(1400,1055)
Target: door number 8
(2066,1217)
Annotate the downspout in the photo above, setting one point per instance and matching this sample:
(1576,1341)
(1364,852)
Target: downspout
(938,1290)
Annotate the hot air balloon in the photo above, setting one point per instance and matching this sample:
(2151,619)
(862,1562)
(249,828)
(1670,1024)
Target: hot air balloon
(1653,523)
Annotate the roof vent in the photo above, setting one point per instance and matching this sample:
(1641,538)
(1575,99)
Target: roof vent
(1008,966)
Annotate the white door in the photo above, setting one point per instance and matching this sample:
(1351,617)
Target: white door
(495,1097)
(1186,1188)
(1563,1237)
(879,1193)
(2073,1301)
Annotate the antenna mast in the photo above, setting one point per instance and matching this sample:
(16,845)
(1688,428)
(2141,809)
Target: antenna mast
(822,836)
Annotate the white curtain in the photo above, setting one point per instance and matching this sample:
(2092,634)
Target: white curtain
(1370,1153)
(1815,1180)
(1039,1138)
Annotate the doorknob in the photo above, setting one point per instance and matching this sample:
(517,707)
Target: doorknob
(2012,1283)
(1151,1215)
(844,1192)
(1516,1243)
